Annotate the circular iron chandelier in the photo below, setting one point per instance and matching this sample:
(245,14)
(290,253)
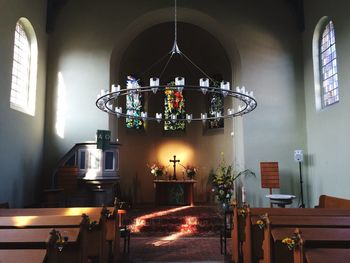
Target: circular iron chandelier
(107,100)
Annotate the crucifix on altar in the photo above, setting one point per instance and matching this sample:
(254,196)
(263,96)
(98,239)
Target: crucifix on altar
(174,165)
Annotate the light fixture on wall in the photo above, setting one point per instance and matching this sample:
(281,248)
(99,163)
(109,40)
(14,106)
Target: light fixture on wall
(107,100)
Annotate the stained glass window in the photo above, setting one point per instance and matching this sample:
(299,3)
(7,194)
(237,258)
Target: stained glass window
(216,104)
(328,66)
(133,104)
(174,107)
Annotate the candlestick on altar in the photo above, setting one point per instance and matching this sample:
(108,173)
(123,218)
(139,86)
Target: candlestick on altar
(174,165)
(243,194)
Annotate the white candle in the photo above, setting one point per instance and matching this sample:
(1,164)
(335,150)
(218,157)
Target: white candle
(204,82)
(154,82)
(243,194)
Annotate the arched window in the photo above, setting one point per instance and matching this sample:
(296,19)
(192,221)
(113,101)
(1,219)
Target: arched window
(328,66)
(24,69)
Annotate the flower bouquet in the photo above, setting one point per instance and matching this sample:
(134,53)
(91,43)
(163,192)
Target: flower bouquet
(157,169)
(222,180)
(190,171)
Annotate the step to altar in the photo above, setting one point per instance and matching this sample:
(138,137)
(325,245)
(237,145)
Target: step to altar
(190,221)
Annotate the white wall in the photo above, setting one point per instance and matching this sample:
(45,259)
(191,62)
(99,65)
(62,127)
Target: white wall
(328,130)
(21,135)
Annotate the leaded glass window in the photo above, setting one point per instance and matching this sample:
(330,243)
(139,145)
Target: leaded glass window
(23,86)
(133,104)
(174,107)
(328,66)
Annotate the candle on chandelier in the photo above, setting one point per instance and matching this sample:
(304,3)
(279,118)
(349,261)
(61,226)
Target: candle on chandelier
(143,115)
(204,82)
(225,85)
(188,117)
(118,109)
(154,82)
(179,81)
(115,88)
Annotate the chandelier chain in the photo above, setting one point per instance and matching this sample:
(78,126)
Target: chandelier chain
(175,20)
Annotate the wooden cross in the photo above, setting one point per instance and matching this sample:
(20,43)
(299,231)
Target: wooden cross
(174,161)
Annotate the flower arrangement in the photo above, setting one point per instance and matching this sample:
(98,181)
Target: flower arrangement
(59,239)
(242,212)
(289,242)
(222,180)
(262,221)
(294,241)
(157,169)
(190,171)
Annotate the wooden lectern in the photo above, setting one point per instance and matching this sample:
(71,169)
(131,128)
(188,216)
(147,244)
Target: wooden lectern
(269,175)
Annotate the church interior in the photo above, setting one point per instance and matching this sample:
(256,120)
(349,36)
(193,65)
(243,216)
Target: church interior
(183,131)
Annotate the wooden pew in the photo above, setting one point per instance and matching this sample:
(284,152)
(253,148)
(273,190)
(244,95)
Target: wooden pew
(309,239)
(250,238)
(105,231)
(284,223)
(17,256)
(45,238)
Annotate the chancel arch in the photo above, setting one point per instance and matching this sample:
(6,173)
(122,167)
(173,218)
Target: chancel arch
(197,145)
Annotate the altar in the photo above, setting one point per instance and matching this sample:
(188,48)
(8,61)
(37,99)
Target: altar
(174,192)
